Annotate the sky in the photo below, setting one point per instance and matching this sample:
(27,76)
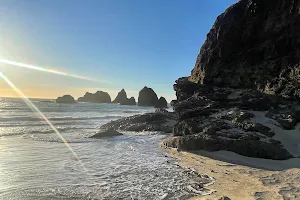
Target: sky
(119,43)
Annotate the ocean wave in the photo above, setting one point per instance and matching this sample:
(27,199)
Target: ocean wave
(131,111)
(65,118)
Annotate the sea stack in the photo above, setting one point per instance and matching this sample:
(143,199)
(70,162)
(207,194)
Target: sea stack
(161,103)
(68,99)
(147,97)
(121,97)
(98,97)
(246,74)
(130,101)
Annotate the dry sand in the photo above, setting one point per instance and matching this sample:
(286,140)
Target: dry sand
(239,181)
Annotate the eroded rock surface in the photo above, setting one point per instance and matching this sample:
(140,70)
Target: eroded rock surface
(253,44)
(163,122)
(212,118)
(249,63)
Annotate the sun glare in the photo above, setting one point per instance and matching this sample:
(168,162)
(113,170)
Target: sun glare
(35,109)
(23,65)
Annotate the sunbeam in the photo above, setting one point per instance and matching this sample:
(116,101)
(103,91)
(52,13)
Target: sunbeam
(23,65)
(32,106)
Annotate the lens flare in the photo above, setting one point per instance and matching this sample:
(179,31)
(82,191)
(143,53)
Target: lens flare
(33,107)
(17,64)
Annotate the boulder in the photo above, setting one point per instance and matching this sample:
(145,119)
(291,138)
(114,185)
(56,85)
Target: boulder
(253,44)
(121,97)
(98,97)
(147,97)
(66,99)
(130,101)
(106,133)
(161,103)
(163,122)
(213,118)
(161,110)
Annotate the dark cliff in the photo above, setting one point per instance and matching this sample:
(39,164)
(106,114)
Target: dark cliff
(254,44)
(246,80)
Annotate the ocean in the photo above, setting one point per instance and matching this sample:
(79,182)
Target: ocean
(36,164)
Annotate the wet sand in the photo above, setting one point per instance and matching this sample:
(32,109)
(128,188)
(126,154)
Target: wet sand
(239,177)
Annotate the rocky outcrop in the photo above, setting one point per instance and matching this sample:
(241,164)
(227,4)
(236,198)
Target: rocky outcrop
(98,97)
(212,118)
(253,44)
(121,97)
(161,110)
(66,99)
(147,97)
(123,100)
(106,133)
(130,101)
(245,80)
(161,103)
(163,122)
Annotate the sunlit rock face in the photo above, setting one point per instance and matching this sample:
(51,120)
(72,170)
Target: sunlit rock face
(254,44)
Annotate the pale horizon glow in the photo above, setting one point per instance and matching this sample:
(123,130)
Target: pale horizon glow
(28,66)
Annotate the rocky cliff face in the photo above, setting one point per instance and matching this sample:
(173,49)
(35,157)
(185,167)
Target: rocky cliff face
(254,44)
(244,90)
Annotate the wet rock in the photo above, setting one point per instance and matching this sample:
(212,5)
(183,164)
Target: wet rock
(161,110)
(110,132)
(212,123)
(287,117)
(163,122)
(161,103)
(147,97)
(68,99)
(98,97)
(224,198)
(243,145)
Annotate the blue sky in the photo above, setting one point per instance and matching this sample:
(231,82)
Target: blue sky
(122,43)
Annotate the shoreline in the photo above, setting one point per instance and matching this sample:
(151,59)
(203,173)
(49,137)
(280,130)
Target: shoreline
(241,180)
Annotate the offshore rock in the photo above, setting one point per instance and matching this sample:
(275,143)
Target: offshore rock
(121,97)
(161,103)
(130,101)
(162,122)
(66,99)
(147,97)
(98,97)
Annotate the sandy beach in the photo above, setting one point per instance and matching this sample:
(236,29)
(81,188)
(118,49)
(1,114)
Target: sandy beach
(239,177)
